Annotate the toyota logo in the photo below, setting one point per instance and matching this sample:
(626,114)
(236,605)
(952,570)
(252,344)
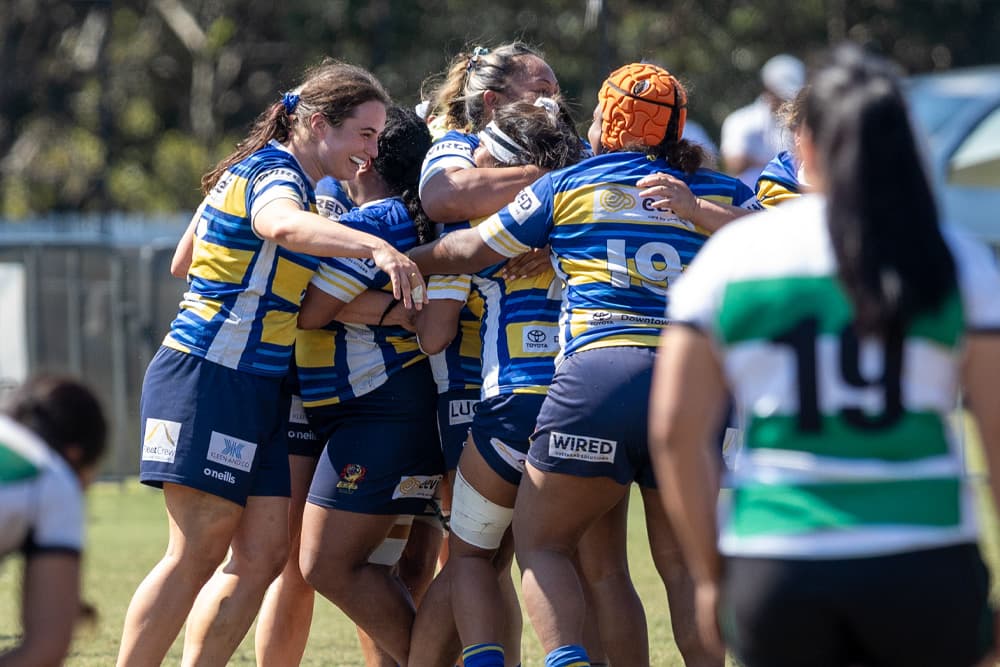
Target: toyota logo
(536,336)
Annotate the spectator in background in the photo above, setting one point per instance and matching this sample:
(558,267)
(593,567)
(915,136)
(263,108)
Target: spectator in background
(754,134)
(52,434)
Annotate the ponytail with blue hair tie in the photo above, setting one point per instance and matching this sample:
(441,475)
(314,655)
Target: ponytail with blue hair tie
(290,101)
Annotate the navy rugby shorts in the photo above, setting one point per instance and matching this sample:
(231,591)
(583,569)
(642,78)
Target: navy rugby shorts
(501,430)
(455,411)
(383,455)
(212,428)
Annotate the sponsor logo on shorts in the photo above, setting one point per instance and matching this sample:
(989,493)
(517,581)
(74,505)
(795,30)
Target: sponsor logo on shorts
(160,440)
(301,434)
(297,413)
(231,451)
(511,456)
(350,476)
(460,411)
(540,339)
(221,475)
(417,486)
(524,204)
(581,448)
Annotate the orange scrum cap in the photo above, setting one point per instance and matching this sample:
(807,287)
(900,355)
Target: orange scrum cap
(638,102)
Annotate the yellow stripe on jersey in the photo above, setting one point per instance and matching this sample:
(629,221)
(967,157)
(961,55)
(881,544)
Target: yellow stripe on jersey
(339,284)
(625,340)
(278,328)
(210,261)
(235,202)
(204,308)
(401,345)
(313,349)
(541,390)
(497,237)
(290,280)
(174,345)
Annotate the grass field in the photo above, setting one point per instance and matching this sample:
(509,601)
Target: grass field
(127,535)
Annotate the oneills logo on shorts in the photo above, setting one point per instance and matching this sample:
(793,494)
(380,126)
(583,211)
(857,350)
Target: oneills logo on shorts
(350,476)
(231,451)
(417,486)
(160,440)
(581,448)
(221,475)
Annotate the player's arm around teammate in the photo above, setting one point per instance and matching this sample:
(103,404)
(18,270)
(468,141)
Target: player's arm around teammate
(210,405)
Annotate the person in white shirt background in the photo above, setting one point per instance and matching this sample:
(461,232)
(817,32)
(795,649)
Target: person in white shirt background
(754,134)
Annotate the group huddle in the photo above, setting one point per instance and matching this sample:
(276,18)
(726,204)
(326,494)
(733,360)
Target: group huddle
(399,328)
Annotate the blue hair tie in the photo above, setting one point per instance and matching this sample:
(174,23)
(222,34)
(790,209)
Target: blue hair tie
(290,101)
(476,54)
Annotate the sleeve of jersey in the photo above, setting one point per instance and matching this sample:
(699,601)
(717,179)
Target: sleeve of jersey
(447,152)
(523,224)
(332,200)
(695,297)
(346,277)
(59,525)
(455,288)
(276,183)
(979,279)
(744,197)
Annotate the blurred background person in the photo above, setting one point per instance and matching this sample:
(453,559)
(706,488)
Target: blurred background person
(52,435)
(754,134)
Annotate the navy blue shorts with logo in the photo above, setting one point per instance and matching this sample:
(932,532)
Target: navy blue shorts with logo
(301,439)
(455,411)
(593,421)
(212,428)
(502,431)
(382,455)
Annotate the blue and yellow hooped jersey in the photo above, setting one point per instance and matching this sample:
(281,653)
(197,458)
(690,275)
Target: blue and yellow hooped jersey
(343,361)
(454,149)
(779,182)
(244,292)
(458,366)
(519,332)
(616,253)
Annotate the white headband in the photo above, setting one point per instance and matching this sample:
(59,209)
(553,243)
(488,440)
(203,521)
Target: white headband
(503,149)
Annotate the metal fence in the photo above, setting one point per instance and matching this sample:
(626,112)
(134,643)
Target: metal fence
(97,299)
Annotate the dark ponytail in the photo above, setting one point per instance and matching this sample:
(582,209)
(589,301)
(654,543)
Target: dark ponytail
(402,146)
(892,260)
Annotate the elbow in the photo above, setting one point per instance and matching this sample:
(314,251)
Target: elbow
(432,344)
(443,209)
(179,269)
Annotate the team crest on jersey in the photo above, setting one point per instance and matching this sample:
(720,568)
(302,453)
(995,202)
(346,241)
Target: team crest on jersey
(231,451)
(350,476)
(417,486)
(523,205)
(160,440)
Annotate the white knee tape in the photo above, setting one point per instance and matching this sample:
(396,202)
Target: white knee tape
(476,520)
(392,546)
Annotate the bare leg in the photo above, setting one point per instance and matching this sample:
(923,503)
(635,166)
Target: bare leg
(603,559)
(416,570)
(553,512)
(670,565)
(503,562)
(229,602)
(286,615)
(201,527)
(334,559)
(434,640)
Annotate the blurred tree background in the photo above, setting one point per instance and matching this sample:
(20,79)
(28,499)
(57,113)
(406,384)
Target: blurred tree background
(121,106)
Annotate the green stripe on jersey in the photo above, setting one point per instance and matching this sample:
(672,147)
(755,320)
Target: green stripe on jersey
(14,467)
(914,436)
(782,510)
(767,308)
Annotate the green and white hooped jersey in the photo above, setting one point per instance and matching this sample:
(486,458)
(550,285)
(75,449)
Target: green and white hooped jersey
(41,502)
(848,450)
